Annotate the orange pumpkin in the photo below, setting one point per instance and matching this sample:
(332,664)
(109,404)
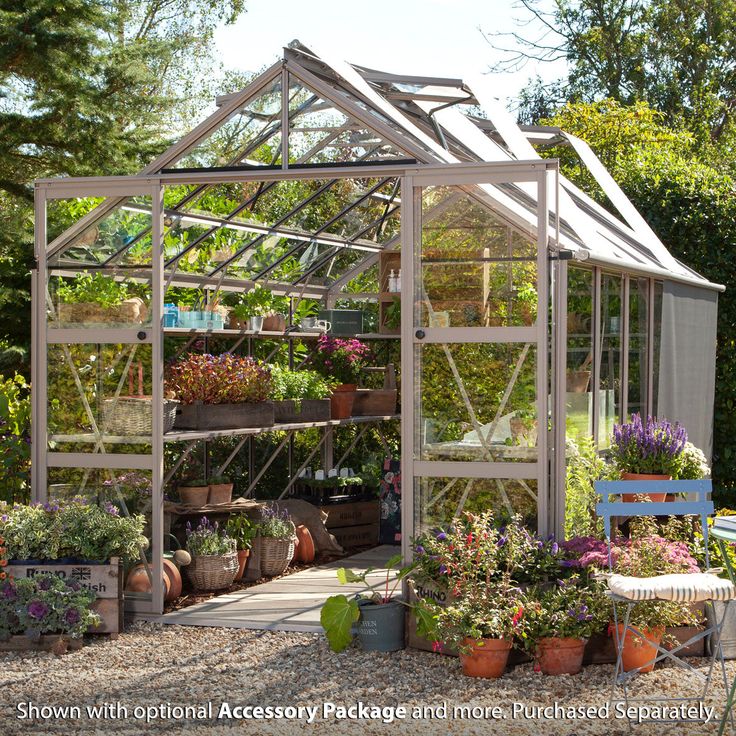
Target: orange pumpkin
(305,545)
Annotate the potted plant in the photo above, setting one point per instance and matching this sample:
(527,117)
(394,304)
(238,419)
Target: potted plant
(377,617)
(274,541)
(221,392)
(240,528)
(193,492)
(258,310)
(300,396)
(99,299)
(214,558)
(44,612)
(220,489)
(647,450)
(342,359)
(558,622)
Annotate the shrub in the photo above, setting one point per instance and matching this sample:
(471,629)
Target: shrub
(15,440)
(299,384)
(341,359)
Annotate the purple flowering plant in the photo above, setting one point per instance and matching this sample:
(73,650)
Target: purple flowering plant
(341,358)
(650,447)
(218,379)
(207,539)
(45,604)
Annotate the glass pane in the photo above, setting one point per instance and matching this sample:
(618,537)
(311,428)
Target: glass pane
(476,402)
(99,397)
(474,270)
(129,491)
(579,396)
(610,385)
(638,316)
(657,340)
(439,500)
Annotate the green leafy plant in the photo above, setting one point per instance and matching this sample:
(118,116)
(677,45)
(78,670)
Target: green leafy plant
(259,302)
(299,384)
(208,539)
(15,441)
(240,528)
(93,289)
(45,604)
(219,480)
(392,315)
(193,482)
(339,613)
(693,464)
(275,522)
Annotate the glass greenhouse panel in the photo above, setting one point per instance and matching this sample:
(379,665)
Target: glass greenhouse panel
(638,346)
(474,270)
(440,500)
(579,378)
(100,397)
(476,402)
(611,356)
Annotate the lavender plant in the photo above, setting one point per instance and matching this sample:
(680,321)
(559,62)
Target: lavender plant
(208,539)
(275,522)
(651,447)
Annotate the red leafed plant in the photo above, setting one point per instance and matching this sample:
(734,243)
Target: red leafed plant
(219,379)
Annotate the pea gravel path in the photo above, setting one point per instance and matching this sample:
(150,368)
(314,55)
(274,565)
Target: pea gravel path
(151,665)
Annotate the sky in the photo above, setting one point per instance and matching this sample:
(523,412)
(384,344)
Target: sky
(428,37)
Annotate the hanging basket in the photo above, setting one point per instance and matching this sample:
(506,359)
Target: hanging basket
(275,554)
(213,572)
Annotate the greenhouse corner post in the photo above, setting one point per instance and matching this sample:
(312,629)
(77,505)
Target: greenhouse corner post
(38,351)
(157,394)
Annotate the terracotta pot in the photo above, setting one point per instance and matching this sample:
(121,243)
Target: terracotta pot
(487,658)
(639,653)
(644,477)
(304,549)
(139,582)
(193,496)
(243,555)
(560,656)
(341,401)
(220,493)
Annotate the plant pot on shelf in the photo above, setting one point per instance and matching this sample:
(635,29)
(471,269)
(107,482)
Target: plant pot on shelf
(485,658)
(238,323)
(213,572)
(381,626)
(342,400)
(243,555)
(305,410)
(274,323)
(220,493)
(193,495)
(256,323)
(577,381)
(224,416)
(639,652)
(560,656)
(643,478)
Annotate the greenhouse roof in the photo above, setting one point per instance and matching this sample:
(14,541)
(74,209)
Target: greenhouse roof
(338,114)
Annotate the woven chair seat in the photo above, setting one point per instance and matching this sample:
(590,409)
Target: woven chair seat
(683,588)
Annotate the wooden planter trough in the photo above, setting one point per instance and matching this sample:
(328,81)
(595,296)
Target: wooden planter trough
(56,643)
(306,410)
(224,416)
(104,579)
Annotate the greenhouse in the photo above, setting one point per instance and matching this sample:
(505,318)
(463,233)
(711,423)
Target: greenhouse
(406,221)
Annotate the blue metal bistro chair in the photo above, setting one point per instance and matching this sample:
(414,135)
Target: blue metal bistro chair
(627,592)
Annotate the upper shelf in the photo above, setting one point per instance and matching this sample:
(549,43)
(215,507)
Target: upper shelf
(293,335)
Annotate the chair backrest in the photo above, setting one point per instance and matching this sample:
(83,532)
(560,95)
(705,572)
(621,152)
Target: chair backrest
(702,506)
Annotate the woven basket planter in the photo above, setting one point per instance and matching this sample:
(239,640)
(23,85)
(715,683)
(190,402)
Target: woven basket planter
(132,415)
(213,572)
(275,554)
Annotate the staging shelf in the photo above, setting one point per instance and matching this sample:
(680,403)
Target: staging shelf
(226,332)
(188,435)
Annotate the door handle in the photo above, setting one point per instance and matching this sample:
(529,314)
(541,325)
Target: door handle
(420,334)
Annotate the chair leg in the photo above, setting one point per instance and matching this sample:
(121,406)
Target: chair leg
(718,652)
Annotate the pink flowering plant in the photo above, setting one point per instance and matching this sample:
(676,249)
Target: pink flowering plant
(219,379)
(341,358)
(650,447)
(45,604)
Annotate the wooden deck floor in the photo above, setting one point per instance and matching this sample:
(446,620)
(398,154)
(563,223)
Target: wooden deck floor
(291,603)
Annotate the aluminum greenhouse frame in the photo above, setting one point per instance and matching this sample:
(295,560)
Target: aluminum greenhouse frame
(408,135)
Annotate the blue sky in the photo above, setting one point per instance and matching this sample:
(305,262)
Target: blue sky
(432,37)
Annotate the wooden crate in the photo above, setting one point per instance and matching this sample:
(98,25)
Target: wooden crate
(105,580)
(374,402)
(355,513)
(46,643)
(356,536)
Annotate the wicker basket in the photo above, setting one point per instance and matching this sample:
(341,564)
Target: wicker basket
(213,572)
(275,554)
(133,415)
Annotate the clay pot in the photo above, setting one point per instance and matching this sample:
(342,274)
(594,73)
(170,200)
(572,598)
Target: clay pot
(560,656)
(220,493)
(304,550)
(341,401)
(487,658)
(639,652)
(193,496)
(243,555)
(139,582)
(644,477)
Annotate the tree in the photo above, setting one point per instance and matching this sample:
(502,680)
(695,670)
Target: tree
(89,87)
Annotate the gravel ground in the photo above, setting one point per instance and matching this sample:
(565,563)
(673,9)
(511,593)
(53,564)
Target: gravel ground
(153,666)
